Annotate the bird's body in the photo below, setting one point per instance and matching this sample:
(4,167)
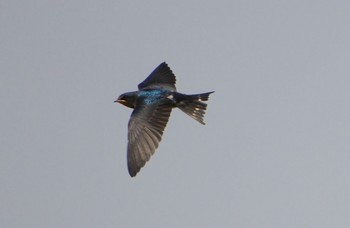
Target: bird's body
(152,105)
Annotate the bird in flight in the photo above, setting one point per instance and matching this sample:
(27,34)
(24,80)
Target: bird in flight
(152,104)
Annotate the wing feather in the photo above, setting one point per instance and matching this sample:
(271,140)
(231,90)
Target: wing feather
(146,126)
(161,77)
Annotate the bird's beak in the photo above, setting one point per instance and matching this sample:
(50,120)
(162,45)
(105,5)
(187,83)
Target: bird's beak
(120,101)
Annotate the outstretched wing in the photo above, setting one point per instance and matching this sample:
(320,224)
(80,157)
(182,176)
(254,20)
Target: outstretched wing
(146,126)
(162,76)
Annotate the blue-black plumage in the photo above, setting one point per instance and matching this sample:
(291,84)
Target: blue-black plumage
(152,105)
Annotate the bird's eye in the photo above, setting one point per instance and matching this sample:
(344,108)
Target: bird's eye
(122,98)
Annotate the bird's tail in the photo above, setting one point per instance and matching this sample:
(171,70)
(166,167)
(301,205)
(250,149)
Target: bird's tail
(193,106)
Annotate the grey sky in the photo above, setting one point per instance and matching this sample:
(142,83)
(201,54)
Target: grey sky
(275,151)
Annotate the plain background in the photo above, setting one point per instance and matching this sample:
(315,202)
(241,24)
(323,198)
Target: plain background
(274,152)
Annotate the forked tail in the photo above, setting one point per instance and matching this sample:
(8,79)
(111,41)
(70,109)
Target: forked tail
(194,106)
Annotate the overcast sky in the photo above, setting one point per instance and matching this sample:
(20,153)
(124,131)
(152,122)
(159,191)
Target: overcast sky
(274,153)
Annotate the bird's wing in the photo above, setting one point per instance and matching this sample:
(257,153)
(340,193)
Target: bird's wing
(162,76)
(146,126)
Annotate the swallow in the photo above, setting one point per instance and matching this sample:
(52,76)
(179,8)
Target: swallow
(152,104)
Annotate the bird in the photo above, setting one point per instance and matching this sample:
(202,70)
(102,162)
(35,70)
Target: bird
(152,104)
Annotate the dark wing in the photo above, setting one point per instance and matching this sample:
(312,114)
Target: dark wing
(162,76)
(146,126)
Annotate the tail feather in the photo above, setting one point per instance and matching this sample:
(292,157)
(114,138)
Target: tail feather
(193,106)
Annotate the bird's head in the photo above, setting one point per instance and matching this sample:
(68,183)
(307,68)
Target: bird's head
(127,99)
